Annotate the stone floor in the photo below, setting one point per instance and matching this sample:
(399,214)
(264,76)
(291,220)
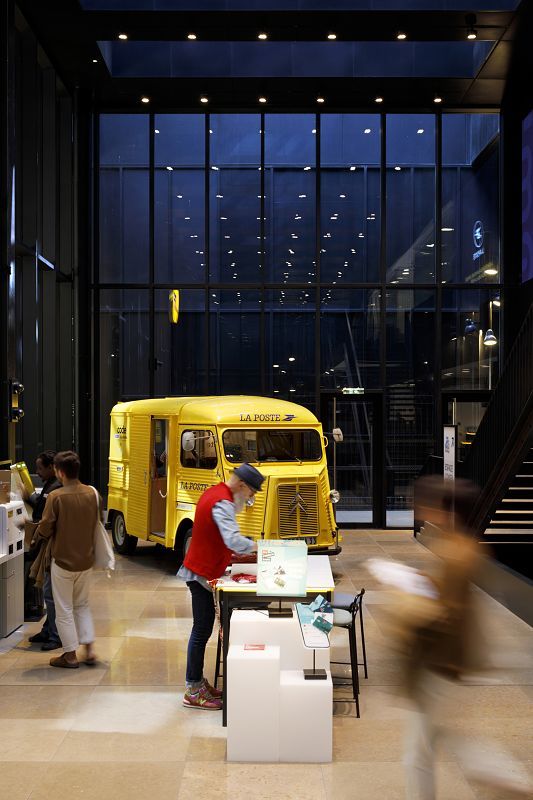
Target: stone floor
(119,729)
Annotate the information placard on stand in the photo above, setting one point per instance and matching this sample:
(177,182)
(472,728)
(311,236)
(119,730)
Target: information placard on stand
(313,638)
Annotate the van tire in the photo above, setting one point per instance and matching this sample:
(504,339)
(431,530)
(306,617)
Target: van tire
(122,541)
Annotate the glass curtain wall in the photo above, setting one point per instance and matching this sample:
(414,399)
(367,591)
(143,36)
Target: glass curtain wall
(311,253)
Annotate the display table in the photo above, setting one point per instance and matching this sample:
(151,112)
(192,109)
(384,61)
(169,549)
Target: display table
(232,595)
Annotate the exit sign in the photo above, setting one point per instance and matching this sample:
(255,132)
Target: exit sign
(353,390)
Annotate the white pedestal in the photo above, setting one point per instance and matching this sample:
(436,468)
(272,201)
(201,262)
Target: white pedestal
(253,681)
(256,627)
(305,718)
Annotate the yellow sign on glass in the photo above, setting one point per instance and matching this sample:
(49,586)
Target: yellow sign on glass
(174,305)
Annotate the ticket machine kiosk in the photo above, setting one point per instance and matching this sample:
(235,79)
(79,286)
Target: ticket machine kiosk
(12,518)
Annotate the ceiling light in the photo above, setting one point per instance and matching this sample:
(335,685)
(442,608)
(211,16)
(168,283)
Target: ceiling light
(123,36)
(204,99)
(497,302)
(447,230)
(368,130)
(95,61)
(471,34)
(262,99)
(490,271)
(145,99)
(378,99)
(420,130)
(170,169)
(156,130)
(352,169)
(437,99)
(320,100)
(191,36)
(262,36)
(332,36)
(398,169)
(401,36)
(489,339)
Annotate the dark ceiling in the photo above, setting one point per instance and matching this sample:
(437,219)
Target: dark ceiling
(73,38)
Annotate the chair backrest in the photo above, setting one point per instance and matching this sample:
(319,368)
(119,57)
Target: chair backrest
(356,603)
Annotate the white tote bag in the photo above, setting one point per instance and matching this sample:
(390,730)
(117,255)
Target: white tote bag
(104,557)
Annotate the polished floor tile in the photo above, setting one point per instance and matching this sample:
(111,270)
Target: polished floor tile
(119,730)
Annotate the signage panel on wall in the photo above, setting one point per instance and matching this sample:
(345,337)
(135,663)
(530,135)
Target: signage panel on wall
(449,450)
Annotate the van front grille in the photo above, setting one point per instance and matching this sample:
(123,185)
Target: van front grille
(298,509)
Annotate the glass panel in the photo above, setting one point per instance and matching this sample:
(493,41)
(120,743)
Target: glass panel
(350,462)
(274,445)
(180,348)
(235,197)
(470,198)
(471,338)
(299,5)
(410,356)
(124,356)
(410,198)
(198,450)
(467,416)
(290,345)
(179,189)
(124,140)
(290,190)
(235,342)
(349,338)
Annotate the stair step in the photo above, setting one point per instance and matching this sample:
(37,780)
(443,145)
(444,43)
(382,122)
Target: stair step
(511,511)
(517,500)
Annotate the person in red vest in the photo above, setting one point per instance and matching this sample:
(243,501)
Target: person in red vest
(215,536)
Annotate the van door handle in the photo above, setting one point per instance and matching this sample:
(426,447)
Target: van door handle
(145,474)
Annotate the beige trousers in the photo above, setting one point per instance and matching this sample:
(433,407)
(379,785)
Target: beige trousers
(73,615)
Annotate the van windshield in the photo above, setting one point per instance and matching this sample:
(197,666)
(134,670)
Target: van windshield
(271,445)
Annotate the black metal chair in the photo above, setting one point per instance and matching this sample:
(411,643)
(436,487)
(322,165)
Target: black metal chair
(345,610)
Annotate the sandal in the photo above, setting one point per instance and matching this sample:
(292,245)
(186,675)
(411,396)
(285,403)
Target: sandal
(62,662)
(91,661)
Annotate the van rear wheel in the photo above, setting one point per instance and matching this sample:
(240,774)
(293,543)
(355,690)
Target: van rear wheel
(123,542)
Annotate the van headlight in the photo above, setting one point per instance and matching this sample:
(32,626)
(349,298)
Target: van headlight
(334,496)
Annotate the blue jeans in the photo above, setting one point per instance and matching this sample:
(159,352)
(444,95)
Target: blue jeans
(203,614)
(49,628)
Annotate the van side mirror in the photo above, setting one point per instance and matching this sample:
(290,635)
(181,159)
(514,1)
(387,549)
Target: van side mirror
(187,441)
(337,435)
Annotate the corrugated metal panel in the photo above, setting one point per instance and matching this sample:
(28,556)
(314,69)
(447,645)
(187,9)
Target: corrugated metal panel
(139,477)
(298,509)
(117,475)
(251,519)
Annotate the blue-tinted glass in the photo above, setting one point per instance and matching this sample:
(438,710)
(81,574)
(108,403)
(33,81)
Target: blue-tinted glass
(349,140)
(180,348)
(124,356)
(235,342)
(290,193)
(470,198)
(410,337)
(290,345)
(410,198)
(235,197)
(179,140)
(124,225)
(179,226)
(124,140)
(467,362)
(349,338)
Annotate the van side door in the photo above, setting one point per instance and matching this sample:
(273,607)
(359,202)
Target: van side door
(138,509)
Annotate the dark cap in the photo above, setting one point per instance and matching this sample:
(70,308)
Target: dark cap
(250,476)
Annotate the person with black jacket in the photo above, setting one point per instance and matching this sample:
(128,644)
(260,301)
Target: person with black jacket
(48,636)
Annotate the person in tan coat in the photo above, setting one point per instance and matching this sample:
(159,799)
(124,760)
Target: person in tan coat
(69,518)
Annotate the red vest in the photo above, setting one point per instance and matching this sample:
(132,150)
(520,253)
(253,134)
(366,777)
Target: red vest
(207,555)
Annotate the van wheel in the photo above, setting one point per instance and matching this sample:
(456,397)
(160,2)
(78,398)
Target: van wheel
(187,541)
(124,543)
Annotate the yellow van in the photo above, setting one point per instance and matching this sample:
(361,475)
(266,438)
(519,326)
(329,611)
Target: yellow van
(164,453)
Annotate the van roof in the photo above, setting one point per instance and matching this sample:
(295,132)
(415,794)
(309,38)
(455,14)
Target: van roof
(218,409)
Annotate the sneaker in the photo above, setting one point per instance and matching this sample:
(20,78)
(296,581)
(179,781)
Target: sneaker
(200,698)
(216,693)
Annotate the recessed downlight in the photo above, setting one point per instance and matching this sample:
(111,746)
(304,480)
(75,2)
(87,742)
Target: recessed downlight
(320,100)
(191,37)
(420,130)
(437,99)
(401,36)
(262,99)
(204,99)
(123,36)
(262,36)
(145,99)
(95,61)
(378,99)
(332,36)
(367,130)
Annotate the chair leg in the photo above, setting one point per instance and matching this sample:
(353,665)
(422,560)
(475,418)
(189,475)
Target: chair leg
(355,672)
(218,659)
(363,639)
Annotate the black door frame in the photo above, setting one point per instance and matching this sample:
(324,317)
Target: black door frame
(378,450)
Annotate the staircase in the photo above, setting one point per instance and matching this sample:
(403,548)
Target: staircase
(512,521)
